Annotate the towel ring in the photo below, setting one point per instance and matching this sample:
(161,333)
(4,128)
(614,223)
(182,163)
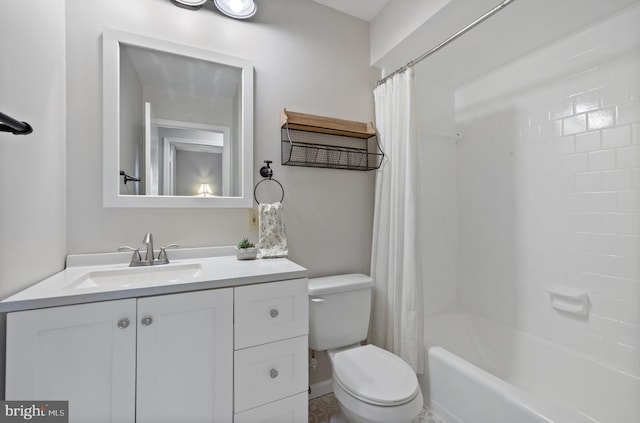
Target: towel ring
(267,173)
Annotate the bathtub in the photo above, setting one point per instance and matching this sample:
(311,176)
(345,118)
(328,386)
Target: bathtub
(480,371)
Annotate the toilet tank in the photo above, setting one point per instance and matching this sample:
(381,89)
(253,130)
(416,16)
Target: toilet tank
(339,310)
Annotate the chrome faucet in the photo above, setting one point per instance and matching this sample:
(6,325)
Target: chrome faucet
(149,260)
(148,241)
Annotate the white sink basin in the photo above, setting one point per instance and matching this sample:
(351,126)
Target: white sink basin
(131,277)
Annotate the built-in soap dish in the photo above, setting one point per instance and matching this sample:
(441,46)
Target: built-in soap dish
(569,300)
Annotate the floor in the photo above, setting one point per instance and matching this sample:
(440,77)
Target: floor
(325,409)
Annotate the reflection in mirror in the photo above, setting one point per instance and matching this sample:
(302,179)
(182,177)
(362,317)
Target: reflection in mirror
(180,122)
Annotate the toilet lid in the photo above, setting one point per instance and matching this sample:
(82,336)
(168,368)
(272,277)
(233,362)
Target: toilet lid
(374,375)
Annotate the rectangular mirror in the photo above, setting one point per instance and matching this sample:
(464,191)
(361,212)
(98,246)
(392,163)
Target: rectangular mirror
(178,125)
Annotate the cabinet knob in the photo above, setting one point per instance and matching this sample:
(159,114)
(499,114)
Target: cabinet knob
(273,373)
(274,313)
(146,320)
(123,323)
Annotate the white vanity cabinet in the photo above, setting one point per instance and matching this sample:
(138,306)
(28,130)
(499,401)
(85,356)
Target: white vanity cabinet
(218,355)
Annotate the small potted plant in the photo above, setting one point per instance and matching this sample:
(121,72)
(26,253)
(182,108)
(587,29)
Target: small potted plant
(245,250)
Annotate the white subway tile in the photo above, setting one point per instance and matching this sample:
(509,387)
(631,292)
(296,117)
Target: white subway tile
(616,330)
(621,267)
(588,182)
(628,201)
(635,133)
(561,108)
(590,263)
(628,156)
(575,163)
(629,113)
(618,223)
(587,101)
(617,180)
(636,224)
(602,160)
(611,286)
(635,179)
(589,141)
(606,202)
(623,357)
(574,124)
(615,94)
(576,202)
(559,146)
(603,118)
(590,243)
(583,222)
(615,308)
(616,137)
(629,245)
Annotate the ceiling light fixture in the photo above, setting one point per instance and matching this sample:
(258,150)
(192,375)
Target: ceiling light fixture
(238,9)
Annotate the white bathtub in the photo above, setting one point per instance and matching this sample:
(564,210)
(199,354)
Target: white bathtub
(479,371)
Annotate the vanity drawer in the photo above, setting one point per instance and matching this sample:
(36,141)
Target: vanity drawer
(293,409)
(270,312)
(270,372)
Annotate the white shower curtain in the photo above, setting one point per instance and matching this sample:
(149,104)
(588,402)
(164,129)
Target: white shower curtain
(397,319)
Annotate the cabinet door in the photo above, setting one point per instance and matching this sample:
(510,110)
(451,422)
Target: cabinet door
(84,354)
(185,358)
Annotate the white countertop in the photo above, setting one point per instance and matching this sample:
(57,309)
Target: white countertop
(217,269)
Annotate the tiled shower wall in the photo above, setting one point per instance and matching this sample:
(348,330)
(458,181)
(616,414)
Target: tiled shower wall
(548,185)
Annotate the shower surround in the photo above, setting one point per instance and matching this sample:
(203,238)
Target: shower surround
(546,192)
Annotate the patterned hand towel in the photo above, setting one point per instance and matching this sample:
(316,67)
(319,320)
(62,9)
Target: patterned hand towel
(272,235)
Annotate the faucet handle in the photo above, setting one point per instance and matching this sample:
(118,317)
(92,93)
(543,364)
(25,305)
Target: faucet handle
(135,256)
(162,255)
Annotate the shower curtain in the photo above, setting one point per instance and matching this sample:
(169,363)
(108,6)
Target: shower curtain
(397,319)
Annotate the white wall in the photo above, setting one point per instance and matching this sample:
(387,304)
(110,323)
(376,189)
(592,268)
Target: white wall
(549,190)
(32,167)
(299,64)
(397,21)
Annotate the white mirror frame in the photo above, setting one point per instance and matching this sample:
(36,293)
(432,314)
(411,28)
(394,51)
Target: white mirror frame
(111,197)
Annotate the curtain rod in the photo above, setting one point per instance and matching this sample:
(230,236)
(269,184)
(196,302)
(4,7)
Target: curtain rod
(423,56)
(9,124)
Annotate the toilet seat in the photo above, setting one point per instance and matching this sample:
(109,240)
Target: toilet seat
(375,376)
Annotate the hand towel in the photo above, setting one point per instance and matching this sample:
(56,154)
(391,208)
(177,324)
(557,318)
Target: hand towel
(272,235)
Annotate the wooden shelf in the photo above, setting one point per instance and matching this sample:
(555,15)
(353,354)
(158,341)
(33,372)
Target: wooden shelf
(326,125)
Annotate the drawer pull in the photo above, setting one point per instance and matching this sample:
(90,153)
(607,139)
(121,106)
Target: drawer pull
(146,320)
(274,313)
(123,323)
(273,373)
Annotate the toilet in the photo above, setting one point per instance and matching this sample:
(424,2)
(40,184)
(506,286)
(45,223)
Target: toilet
(371,385)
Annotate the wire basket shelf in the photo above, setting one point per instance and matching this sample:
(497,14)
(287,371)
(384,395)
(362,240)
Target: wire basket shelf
(314,149)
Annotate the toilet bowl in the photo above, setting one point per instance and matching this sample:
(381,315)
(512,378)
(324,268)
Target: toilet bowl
(371,385)
(374,386)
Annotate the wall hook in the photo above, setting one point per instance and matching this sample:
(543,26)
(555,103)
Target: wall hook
(266,171)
